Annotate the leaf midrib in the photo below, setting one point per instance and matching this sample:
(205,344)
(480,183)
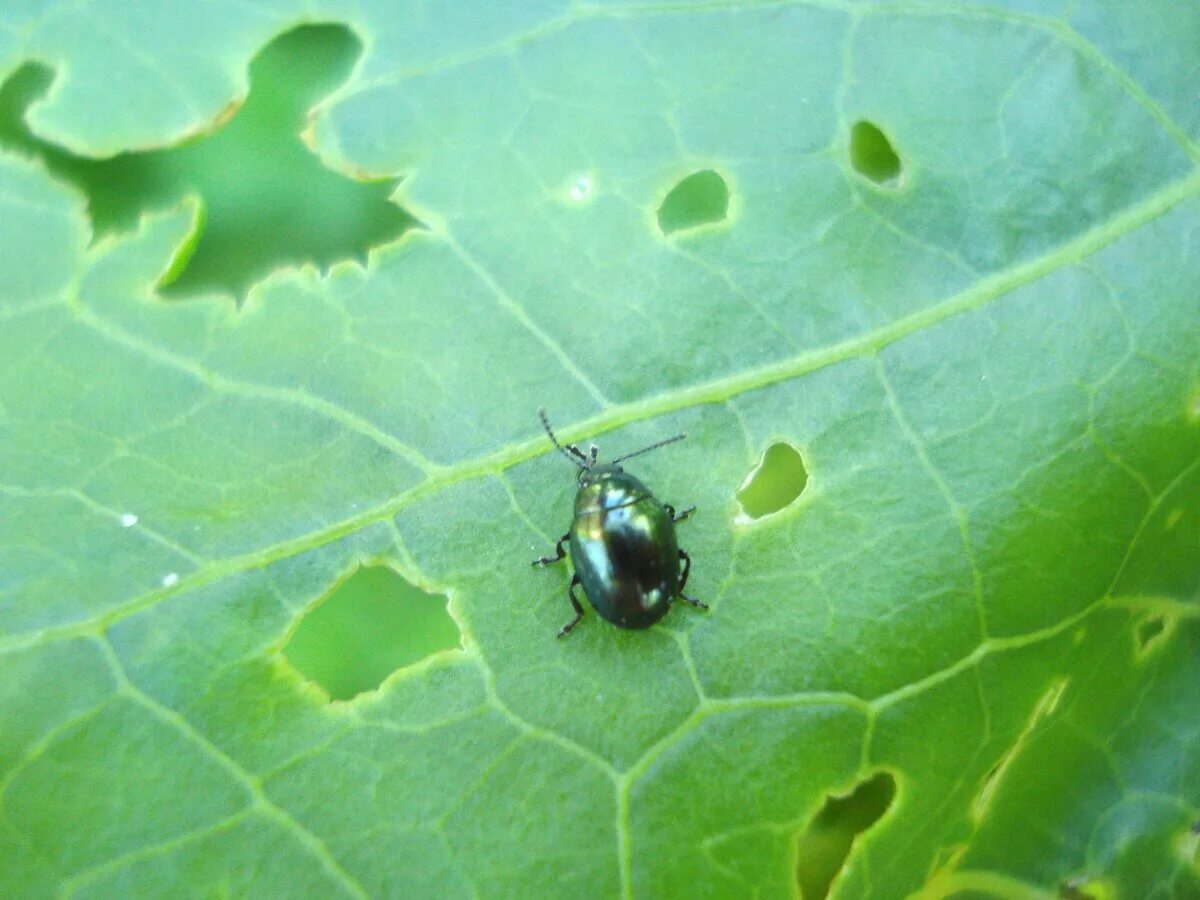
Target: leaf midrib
(620,415)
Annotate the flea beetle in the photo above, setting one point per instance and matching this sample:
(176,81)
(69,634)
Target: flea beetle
(623,543)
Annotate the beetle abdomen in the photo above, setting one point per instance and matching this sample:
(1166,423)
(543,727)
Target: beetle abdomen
(625,551)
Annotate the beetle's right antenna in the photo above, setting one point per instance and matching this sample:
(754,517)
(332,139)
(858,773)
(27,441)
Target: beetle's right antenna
(571,452)
(654,446)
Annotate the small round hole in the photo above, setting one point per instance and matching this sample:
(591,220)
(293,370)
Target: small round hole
(778,479)
(373,623)
(700,199)
(872,154)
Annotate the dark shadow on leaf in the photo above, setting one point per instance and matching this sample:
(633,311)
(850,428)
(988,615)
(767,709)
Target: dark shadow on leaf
(268,201)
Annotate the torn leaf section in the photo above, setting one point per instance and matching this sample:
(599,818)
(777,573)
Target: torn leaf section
(776,482)
(872,154)
(267,201)
(372,624)
(824,846)
(700,199)
(1149,631)
(1045,707)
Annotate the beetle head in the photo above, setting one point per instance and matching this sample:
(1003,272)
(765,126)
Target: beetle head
(598,473)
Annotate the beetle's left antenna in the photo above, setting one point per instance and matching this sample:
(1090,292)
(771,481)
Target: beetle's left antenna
(570,451)
(662,443)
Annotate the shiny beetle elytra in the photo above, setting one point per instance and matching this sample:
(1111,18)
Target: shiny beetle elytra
(623,543)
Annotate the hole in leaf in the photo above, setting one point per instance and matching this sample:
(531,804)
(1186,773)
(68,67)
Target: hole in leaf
(373,623)
(777,481)
(700,199)
(872,155)
(1148,631)
(267,199)
(825,844)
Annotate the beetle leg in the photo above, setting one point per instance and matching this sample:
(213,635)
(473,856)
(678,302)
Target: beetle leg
(558,549)
(683,582)
(687,568)
(678,517)
(575,603)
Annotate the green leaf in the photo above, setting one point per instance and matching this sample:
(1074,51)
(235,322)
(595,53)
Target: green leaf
(948,270)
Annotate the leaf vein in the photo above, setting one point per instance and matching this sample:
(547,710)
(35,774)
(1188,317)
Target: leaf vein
(291,396)
(307,841)
(957,513)
(518,313)
(117,863)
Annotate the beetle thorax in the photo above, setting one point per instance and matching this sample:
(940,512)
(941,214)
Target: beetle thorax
(607,487)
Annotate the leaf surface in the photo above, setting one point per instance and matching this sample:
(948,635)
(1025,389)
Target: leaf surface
(988,362)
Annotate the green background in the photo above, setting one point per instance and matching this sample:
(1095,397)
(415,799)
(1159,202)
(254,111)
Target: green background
(277,313)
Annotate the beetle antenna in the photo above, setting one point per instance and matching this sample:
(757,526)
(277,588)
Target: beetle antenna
(571,452)
(662,443)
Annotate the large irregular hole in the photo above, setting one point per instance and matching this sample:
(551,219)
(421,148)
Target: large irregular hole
(267,199)
(825,844)
(872,154)
(777,480)
(373,623)
(700,199)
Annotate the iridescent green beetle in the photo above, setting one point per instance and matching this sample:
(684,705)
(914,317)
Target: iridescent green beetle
(623,543)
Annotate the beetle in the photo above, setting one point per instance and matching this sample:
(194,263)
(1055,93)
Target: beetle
(623,544)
